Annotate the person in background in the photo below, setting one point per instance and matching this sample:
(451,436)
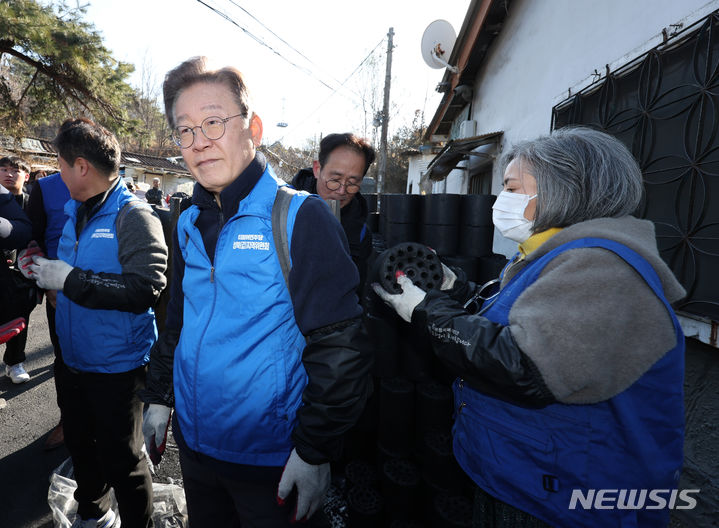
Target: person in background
(337,174)
(570,378)
(32,180)
(154,194)
(46,209)
(268,375)
(15,233)
(14,172)
(109,273)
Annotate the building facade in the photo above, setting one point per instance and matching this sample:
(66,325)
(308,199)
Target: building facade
(644,71)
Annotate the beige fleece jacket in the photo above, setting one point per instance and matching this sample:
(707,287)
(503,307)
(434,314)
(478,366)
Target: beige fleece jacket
(589,322)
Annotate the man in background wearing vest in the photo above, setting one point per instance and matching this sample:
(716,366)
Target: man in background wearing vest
(109,274)
(265,373)
(46,210)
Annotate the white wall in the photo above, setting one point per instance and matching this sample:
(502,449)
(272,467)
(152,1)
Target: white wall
(457,179)
(178,183)
(169,183)
(417,166)
(549,46)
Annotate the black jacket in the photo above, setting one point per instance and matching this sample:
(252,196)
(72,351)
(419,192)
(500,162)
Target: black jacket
(154,196)
(354,222)
(21,232)
(19,238)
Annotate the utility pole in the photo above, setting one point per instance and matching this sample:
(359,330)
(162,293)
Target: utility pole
(382,169)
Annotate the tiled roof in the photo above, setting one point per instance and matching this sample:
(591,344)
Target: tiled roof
(143,160)
(44,147)
(28,145)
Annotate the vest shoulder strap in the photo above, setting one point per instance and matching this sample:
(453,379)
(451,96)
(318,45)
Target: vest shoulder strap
(280,209)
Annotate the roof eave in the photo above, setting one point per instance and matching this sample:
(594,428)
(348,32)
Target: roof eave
(467,40)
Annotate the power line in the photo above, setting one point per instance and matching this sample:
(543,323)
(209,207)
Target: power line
(257,39)
(313,112)
(233,2)
(263,43)
(305,70)
(275,34)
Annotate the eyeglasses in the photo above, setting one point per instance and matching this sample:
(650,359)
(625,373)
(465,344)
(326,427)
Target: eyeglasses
(212,127)
(485,292)
(334,185)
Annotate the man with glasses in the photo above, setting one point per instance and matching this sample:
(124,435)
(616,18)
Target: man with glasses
(337,174)
(265,374)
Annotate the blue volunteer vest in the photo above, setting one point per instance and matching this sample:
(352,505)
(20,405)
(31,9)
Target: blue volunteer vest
(238,373)
(54,197)
(95,340)
(532,459)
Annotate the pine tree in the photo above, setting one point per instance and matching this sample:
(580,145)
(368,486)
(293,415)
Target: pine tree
(53,65)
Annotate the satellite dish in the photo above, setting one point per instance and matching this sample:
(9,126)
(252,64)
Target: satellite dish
(437,43)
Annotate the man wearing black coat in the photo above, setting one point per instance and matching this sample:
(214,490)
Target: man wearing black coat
(19,296)
(15,233)
(337,175)
(154,194)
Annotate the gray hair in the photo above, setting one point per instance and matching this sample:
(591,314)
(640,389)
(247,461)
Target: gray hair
(196,70)
(581,174)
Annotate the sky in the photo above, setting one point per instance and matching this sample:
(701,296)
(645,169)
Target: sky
(327,39)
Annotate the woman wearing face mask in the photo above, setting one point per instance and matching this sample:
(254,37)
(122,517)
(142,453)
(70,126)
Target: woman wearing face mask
(569,379)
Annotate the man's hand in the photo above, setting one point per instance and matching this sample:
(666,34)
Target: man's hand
(155,423)
(50,274)
(24,258)
(403,303)
(311,481)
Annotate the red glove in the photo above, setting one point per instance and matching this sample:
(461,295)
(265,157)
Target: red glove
(11,329)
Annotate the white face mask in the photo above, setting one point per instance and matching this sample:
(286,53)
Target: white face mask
(508,216)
